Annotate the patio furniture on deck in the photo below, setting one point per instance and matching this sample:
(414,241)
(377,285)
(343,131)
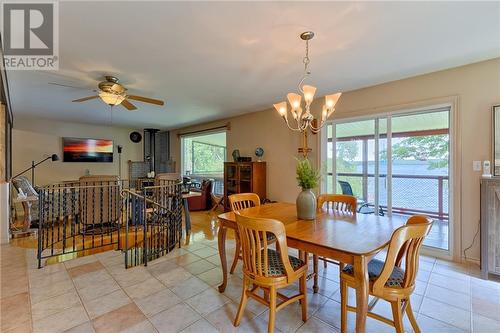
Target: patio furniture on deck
(363,206)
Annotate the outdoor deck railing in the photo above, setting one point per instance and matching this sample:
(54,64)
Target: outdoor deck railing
(426,194)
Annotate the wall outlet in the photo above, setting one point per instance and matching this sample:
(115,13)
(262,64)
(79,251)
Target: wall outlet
(476,165)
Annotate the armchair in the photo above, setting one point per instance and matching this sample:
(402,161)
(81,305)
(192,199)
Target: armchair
(203,201)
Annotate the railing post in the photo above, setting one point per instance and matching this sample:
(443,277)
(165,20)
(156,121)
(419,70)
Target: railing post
(440,197)
(145,233)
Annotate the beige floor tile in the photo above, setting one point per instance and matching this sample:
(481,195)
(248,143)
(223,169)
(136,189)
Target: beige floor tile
(448,296)
(199,267)
(174,277)
(55,304)
(223,318)
(14,311)
(98,289)
(212,277)
(56,289)
(106,303)
(144,288)
(189,287)
(256,325)
(458,285)
(82,328)
(112,260)
(206,252)
(186,259)
(80,270)
(446,313)
(207,301)
(24,327)
(122,318)
(14,285)
(162,268)
(144,326)
(157,302)
(289,319)
(43,281)
(482,324)
(80,261)
(91,279)
(486,308)
(313,324)
(326,286)
(61,321)
(175,319)
(431,325)
(132,276)
(200,326)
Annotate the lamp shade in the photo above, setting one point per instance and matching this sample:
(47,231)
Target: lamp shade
(294,100)
(281,108)
(309,92)
(331,100)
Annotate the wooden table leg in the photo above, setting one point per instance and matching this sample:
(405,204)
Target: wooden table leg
(222,254)
(362,292)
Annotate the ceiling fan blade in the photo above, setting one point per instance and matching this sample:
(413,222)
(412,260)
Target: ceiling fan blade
(146,99)
(67,86)
(85,99)
(129,106)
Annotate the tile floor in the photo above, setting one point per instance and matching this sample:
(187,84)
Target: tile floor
(177,293)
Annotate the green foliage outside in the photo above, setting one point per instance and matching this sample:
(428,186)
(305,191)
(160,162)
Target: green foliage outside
(307,176)
(431,148)
(203,158)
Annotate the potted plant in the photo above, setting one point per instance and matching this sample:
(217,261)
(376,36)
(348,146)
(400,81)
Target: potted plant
(308,178)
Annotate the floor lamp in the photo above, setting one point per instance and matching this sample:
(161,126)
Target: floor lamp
(53,157)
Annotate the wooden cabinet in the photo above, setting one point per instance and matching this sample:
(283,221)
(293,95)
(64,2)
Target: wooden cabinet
(490,227)
(243,177)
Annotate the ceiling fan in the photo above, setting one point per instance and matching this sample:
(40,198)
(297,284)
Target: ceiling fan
(113,93)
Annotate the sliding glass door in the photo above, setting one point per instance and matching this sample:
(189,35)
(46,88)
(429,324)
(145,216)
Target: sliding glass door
(394,164)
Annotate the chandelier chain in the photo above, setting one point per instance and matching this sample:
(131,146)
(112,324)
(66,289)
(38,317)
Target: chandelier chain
(306,59)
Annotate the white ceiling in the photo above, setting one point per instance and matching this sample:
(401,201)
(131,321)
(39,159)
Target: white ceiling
(213,60)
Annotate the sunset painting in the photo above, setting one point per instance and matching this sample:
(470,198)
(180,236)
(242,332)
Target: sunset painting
(87,150)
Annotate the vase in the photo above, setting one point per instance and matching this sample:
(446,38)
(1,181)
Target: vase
(306,205)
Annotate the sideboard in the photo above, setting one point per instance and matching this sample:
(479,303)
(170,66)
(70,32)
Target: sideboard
(490,226)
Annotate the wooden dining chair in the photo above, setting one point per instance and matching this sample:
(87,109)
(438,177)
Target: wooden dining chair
(337,204)
(267,269)
(389,280)
(238,202)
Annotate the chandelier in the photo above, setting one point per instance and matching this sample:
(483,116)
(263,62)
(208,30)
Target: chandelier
(303,119)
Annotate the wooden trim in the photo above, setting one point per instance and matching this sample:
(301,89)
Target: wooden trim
(227,127)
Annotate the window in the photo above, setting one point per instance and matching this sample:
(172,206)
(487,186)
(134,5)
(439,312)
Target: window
(203,157)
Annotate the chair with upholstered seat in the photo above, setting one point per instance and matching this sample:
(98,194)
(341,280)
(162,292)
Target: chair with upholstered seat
(267,269)
(238,202)
(336,204)
(388,279)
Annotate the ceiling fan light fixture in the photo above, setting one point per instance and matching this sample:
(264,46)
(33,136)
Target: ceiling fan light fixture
(111,99)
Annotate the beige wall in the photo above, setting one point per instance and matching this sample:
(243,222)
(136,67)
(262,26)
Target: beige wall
(475,88)
(35,139)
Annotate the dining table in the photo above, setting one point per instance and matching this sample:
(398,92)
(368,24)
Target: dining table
(348,238)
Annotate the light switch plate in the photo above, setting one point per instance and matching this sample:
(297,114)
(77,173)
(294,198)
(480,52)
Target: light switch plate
(476,165)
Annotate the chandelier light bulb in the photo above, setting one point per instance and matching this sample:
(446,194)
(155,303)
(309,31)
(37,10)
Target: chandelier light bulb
(309,92)
(281,108)
(294,100)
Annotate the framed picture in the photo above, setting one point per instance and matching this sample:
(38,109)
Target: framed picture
(87,150)
(496,140)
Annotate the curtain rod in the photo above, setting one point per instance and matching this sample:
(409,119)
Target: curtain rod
(226,126)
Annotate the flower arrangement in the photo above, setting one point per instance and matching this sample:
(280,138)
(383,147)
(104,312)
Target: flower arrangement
(307,176)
